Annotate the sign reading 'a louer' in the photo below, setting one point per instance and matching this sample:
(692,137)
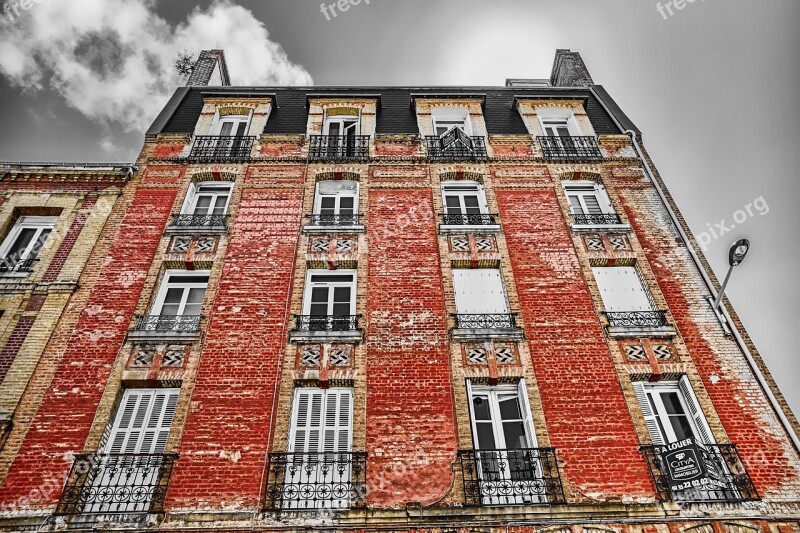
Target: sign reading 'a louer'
(684,466)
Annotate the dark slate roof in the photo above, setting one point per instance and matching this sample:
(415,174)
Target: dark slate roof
(395,112)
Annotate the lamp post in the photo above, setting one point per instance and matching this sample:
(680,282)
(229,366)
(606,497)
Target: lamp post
(736,255)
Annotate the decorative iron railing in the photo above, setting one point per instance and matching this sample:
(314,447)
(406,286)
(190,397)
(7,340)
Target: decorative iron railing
(222,148)
(99,483)
(10,264)
(338,147)
(163,323)
(202,221)
(511,477)
(474,219)
(334,220)
(456,146)
(486,321)
(326,322)
(726,478)
(570,148)
(604,219)
(315,481)
(637,319)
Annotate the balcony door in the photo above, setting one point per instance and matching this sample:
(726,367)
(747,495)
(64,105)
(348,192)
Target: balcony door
(330,299)
(587,198)
(231,126)
(209,199)
(318,468)
(503,436)
(127,470)
(336,203)
(24,241)
(464,202)
(341,132)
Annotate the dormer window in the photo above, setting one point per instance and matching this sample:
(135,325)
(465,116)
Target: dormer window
(446,119)
(231,126)
(341,126)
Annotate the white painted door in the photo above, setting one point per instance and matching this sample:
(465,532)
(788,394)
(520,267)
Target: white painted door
(621,289)
(479,291)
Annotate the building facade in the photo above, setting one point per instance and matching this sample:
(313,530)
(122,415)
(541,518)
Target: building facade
(395,309)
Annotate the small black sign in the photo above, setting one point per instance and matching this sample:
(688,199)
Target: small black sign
(684,465)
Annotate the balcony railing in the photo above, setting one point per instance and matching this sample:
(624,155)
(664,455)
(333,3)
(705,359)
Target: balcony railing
(724,479)
(116,484)
(314,481)
(10,264)
(326,322)
(486,321)
(221,148)
(570,148)
(474,219)
(456,146)
(637,319)
(168,323)
(511,477)
(338,148)
(604,219)
(200,221)
(334,220)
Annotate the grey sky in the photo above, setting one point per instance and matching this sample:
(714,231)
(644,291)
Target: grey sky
(712,88)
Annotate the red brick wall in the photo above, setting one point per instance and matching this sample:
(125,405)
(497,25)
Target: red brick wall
(68,409)
(587,418)
(226,436)
(409,392)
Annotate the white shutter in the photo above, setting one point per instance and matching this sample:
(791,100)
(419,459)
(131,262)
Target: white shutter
(338,420)
(306,428)
(479,291)
(704,431)
(471,413)
(621,289)
(143,421)
(650,417)
(605,201)
(525,410)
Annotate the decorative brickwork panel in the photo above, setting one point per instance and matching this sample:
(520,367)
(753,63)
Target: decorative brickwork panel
(68,408)
(619,242)
(506,355)
(340,356)
(635,352)
(174,357)
(311,355)
(143,356)
(180,245)
(205,245)
(459,244)
(69,240)
(580,391)
(408,357)
(662,352)
(485,243)
(246,337)
(477,355)
(594,243)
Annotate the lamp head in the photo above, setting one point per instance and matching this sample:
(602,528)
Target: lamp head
(738,252)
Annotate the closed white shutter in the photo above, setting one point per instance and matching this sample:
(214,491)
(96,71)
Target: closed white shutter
(703,429)
(338,420)
(143,421)
(322,421)
(650,417)
(525,410)
(479,291)
(621,289)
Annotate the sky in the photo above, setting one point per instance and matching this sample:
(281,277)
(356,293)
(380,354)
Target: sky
(711,86)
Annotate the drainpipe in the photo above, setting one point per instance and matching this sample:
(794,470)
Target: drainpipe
(696,260)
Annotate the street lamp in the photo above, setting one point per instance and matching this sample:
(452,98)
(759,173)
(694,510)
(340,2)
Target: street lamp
(736,255)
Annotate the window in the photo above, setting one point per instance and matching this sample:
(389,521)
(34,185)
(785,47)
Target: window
(208,199)
(479,291)
(24,242)
(336,203)
(182,293)
(672,412)
(558,123)
(587,198)
(622,289)
(558,127)
(446,119)
(464,198)
(231,126)
(341,126)
(330,293)
(319,449)
(143,421)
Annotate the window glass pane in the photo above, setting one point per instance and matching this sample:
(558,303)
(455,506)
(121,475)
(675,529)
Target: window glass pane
(170,309)
(174,295)
(681,427)
(472,205)
(327,205)
(485,436)
(575,205)
(188,279)
(453,204)
(672,403)
(192,309)
(563,131)
(509,408)
(341,294)
(341,309)
(196,295)
(514,433)
(346,202)
(319,294)
(333,128)
(332,278)
(319,309)
(227,128)
(21,243)
(480,408)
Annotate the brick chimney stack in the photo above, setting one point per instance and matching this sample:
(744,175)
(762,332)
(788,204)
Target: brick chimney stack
(209,69)
(569,70)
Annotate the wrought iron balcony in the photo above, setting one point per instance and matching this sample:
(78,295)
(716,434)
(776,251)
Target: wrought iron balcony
(326,322)
(99,483)
(487,321)
(602,219)
(200,221)
(316,481)
(10,264)
(338,148)
(334,220)
(475,219)
(168,323)
(724,477)
(637,319)
(208,148)
(455,145)
(511,477)
(570,148)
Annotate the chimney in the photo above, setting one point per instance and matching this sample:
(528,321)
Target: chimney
(209,69)
(569,70)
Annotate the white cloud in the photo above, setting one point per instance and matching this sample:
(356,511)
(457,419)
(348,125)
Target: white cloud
(112,59)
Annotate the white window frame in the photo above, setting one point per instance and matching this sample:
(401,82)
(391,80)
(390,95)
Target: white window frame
(29,222)
(583,188)
(462,188)
(318,196)
(165,285)
(632,270)
(219,121)
(494,391)
(451,114)
(309,287)
(558,115)
(657,420)
(190,203)
(341,119)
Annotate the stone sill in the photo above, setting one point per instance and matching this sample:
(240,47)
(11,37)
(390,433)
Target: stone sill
(162,336)
(620,332)
(582,228)
(305,337)
(511,334)
(196,230)
(333,229)
(450,229)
